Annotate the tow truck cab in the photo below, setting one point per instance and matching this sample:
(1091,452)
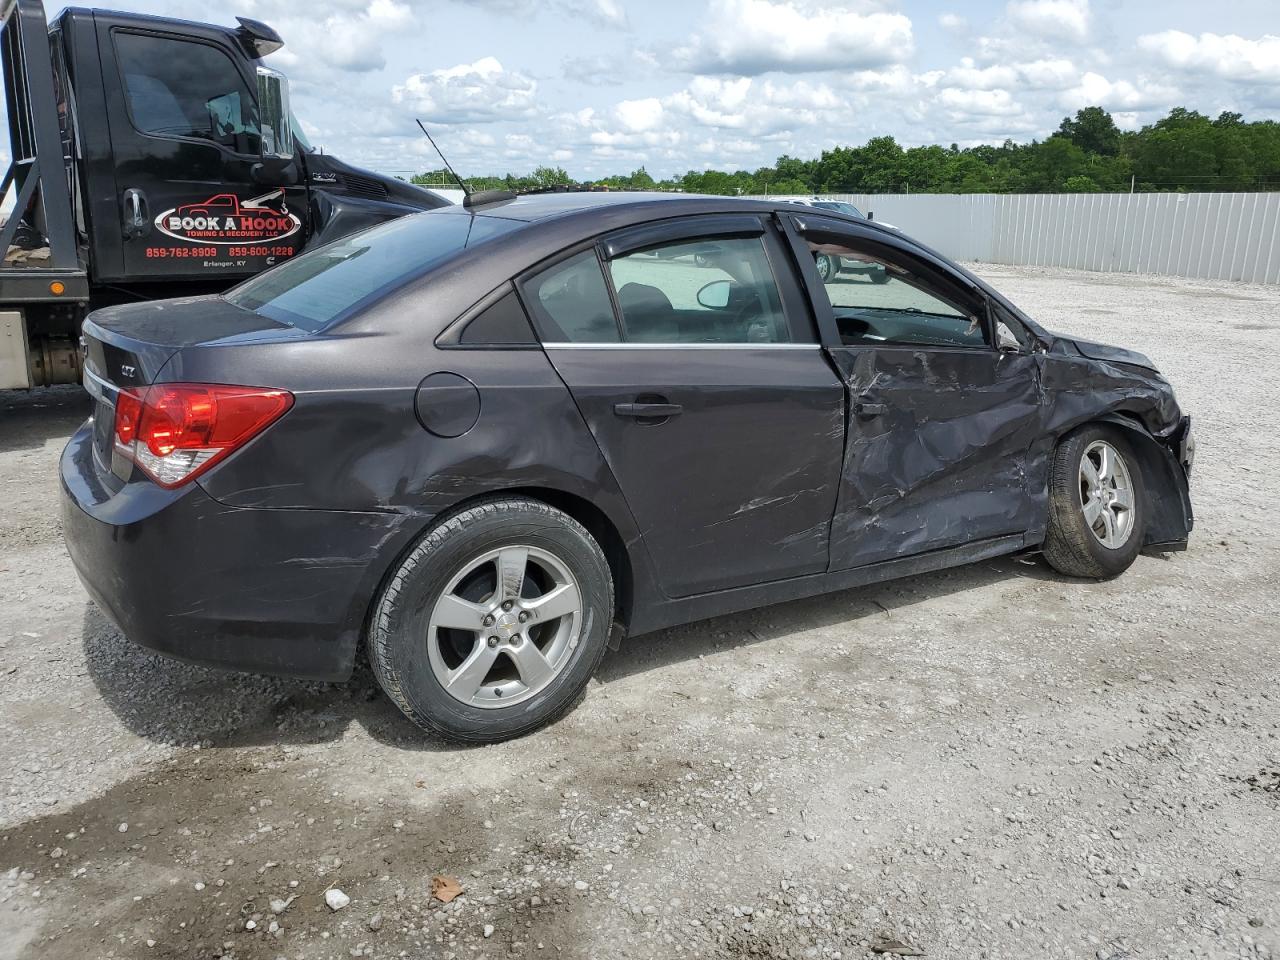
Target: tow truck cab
(153,158)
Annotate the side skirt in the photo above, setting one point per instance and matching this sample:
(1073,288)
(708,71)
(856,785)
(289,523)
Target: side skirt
(706,605)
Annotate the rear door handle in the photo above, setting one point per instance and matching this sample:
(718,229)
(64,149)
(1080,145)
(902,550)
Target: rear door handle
(648,411)
(863,409)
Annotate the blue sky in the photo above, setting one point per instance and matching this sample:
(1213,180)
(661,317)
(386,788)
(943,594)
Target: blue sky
(600,86)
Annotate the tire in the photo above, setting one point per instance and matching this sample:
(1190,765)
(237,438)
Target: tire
(880,276)
(1079,540)
(828,266)
(414,656)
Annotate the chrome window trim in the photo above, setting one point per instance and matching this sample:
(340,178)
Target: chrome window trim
(682,346)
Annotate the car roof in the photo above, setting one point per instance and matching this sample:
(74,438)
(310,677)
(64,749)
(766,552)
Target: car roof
(590,213)
(531,207)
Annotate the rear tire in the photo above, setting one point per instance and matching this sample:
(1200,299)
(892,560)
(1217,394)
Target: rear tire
(540,591)
(1097,505)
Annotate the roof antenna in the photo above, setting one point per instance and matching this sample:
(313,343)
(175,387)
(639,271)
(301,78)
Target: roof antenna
(469,199)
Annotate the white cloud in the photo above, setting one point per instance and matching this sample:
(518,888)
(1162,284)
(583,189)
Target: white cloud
(984,103)
(1054,19)
(1227,56)
(750,37)
(1035,75)
(479,92)
(347,35)
(1096,90)
(639,115)
(607,13)
(969,77)
(1051,74)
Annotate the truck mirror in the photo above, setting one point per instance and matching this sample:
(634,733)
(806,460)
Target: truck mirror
(274,115)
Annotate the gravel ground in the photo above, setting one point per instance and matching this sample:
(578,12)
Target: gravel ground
(988,762)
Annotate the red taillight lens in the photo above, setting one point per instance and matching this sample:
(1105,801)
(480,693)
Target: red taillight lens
(128,413)
(176,431)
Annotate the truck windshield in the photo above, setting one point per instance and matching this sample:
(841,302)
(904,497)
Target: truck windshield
(332,282)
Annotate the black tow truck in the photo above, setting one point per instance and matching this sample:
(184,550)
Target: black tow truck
(152,158)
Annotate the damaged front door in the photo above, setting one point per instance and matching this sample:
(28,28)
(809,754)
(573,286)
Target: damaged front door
(940,416)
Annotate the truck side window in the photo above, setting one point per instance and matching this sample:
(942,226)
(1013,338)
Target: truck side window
(180,88)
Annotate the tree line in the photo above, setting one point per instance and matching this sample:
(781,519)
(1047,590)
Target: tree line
(1183,151)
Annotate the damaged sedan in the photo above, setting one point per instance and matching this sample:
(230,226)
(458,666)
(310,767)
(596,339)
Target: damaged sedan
(480,444)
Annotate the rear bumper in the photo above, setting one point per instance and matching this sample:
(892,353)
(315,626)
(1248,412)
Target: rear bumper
(268,591)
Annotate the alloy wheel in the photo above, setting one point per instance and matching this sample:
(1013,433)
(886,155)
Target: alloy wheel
(1106,494)
(505,626)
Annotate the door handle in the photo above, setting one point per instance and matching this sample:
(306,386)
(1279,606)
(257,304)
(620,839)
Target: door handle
(648,411)
(863,409)
(136,222)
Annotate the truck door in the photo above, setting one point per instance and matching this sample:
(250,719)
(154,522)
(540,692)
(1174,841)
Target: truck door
(185,135)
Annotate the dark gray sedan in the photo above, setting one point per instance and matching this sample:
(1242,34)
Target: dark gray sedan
(487,440)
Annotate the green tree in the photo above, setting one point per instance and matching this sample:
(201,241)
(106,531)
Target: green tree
(1093,131)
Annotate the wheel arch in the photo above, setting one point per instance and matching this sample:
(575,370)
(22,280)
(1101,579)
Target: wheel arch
(597,522)
(1164,482)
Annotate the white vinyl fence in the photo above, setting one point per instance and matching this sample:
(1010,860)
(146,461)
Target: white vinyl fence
(1218,236)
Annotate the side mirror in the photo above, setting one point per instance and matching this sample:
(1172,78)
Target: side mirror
(871,215)
(715,295)
(274,172)
(1008,345)
(274,116)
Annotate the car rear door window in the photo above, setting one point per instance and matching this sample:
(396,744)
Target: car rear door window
(709,290)
(571,302)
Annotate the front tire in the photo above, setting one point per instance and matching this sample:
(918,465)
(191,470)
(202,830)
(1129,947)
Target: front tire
(1097,505)
(494,623)
(828,266)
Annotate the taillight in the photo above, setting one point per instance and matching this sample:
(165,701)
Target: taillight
(176,431)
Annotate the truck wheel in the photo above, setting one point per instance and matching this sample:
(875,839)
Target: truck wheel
(1097,508)
(494,623)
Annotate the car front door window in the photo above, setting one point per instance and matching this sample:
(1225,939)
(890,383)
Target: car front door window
(876,301)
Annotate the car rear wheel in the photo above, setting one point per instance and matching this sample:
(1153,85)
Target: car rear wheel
(1097,518)
(494,623)
(828,266)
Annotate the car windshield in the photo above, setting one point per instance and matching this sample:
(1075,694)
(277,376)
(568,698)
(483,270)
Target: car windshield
(333,281)
(840,206)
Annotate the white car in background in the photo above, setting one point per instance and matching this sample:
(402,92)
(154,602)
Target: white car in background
(829,264)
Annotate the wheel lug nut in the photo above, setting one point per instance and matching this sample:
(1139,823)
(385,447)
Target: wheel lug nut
(507,604)
(488,620)
(524,616)
(517,640)
(493,641)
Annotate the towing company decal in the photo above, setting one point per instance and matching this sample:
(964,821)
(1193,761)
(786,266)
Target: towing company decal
(226,219)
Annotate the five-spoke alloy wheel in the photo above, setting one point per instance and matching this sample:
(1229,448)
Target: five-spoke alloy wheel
(1106,494)
(1097,518)
(495,622)
(504,626)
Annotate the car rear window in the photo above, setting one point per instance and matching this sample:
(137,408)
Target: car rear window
(330,282)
